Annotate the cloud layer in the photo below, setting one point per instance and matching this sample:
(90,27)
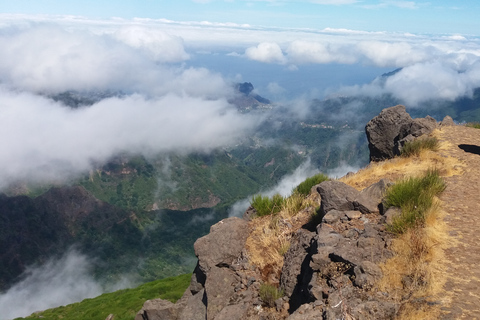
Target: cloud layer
(164,105)
(57,282)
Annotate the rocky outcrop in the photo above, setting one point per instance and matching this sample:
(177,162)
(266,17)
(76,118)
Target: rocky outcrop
(391,129)
(328,273)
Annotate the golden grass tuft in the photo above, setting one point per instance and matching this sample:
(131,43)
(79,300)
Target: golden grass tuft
(401,167)
(270,236)
(415,275)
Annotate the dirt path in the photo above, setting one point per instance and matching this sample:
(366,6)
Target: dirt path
(461,201)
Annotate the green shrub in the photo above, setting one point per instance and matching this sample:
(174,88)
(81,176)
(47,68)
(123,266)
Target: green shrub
(266,206)
(413,148)
(414,196)
(475,125)
(305,187)
(269,294)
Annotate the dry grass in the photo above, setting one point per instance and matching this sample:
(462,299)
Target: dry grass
(270,236)
(400,167)
(415,274)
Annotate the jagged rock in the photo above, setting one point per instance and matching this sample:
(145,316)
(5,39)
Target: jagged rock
(388,132)
(369,198)
(294,258)
(353,214)
(336,195)
(195,307)
(158,309)
(223,245)
(197,282)
(219,287)
(382,131)
(333,216)
(233,312)
(447,121)
(366,274)
(415,129)
(306,312)
(374,310)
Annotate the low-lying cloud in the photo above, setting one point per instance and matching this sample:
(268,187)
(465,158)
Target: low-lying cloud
(49,141)
(56,283)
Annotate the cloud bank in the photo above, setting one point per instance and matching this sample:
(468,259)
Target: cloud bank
(57,282)
(163,104)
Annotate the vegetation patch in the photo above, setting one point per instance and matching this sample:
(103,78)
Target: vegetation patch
(123,304)
(305,187)
(266,206)
(414,196)
(269,293)
(415,147)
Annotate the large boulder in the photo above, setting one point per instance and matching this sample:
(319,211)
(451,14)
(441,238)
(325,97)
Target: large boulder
(388,132)
(382,131)
(158,309)
(336,195)
(223,245)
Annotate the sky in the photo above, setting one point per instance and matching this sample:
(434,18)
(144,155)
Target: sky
(440,16)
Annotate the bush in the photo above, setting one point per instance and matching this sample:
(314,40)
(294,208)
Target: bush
(305,187)
(414,196)
(266,206)
(269,294)
(475,125)
(413,148)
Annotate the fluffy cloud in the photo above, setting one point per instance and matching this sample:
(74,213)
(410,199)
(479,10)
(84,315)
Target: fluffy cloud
(301,52)
(269,52)
(49,141)
(56,283)
(433,80)
(397,54)
(159,45)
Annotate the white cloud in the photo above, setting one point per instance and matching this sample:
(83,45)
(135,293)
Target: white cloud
(432,80)
(56,283)
(49,141)
(159,45)
(300,52)
(269,52)
(396,54)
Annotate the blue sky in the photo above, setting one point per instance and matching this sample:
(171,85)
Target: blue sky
(440,16)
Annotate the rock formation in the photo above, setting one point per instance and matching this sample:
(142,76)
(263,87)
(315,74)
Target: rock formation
(328,272)
(388,132)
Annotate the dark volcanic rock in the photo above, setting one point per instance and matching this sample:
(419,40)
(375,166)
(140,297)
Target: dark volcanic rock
(382,132)
(336,195)
(369,198)
(294,259)
(388,132)
(223,245)
(158,309)
(219,287)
